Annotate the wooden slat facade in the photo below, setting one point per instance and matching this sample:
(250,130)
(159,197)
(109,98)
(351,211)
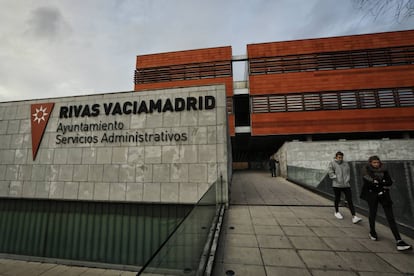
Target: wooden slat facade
(361,83)
(338,75)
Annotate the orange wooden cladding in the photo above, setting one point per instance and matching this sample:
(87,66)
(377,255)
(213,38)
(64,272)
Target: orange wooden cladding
(347,79)
(335,121)
(188,57)
(231,124)
(315,80)
(315,122)
(331,44)
(184,57)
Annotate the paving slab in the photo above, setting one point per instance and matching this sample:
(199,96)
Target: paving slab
(270,241)
(241,240)
(385,246)
(365,261)
(297,233)
(344,244)
(265,221)
(9,267)
(239,269)
(239,228)
(274,227)
(290,222)
(356,231)
(254,188)
(403,262)
(328,231)
(323,260)
(316,222)
(267,230)
(311,243)
(26,268)
(281,257)
(333,272)
(283,271)
(74,271)
(242,255)
(364,273)
(57,270)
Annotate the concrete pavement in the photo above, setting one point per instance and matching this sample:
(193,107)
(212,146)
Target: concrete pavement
(10,267)
(274,227)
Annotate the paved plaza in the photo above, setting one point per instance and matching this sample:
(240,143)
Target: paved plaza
(274,227)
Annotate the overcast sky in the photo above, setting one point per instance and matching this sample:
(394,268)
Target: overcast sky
(53,48)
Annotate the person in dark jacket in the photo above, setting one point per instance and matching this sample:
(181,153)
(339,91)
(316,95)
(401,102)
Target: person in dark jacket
(272,166)
(376,189)
(340,173)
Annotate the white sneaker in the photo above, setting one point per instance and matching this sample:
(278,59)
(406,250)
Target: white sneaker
(338,215)
(401,245)
(356,219)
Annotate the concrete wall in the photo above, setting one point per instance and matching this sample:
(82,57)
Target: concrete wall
(155,170)
(306,163)
(317,155)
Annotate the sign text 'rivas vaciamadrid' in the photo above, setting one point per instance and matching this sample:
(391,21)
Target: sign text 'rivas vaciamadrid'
(114,131)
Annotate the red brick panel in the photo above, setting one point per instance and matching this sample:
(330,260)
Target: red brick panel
(228,82)
(386,119)
(344,43)
(231,121)
(350,79)
(184,57)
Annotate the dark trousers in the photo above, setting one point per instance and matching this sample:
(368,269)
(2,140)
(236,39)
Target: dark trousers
(389,214)
(348,197)
(273,171)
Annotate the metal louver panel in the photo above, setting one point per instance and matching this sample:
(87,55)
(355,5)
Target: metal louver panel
(117,233)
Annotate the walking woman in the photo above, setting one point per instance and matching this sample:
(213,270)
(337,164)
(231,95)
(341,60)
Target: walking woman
(376,189)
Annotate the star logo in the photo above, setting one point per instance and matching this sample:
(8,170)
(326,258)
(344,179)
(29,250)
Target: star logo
(40,114)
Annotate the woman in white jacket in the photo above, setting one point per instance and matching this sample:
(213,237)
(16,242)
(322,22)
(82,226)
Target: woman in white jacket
(339,172)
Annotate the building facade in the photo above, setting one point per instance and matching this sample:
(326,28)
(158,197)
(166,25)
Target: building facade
(327,88)
(104,179)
